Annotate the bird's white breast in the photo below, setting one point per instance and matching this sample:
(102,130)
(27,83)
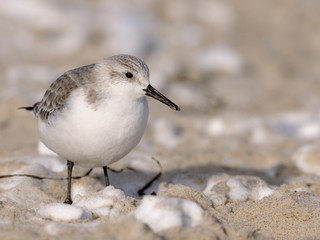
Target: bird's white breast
(95,135)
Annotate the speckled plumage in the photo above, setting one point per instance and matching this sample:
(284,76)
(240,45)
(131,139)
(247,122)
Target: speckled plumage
(96,114)
(93,118)
(84,77)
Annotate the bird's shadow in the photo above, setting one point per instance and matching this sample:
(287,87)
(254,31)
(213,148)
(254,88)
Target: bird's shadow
(131,181)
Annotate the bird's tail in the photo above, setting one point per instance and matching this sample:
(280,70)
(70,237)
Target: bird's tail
(27,108)
(33,108)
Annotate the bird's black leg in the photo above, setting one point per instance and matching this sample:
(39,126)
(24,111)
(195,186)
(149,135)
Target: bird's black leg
(68,199)
(105,168)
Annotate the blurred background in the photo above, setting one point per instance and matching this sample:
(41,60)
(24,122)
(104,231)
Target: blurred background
(217,59)
(246,75)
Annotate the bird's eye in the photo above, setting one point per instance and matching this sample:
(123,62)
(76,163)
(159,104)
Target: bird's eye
(129,75)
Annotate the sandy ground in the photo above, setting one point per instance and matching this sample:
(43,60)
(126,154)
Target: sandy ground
(240,161)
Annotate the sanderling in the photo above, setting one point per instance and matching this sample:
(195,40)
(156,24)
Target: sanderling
(96,114)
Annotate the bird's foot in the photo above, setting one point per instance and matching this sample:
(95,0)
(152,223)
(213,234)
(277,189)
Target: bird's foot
(68,201)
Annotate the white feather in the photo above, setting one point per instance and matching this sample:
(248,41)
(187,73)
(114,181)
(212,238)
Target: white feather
(96,137)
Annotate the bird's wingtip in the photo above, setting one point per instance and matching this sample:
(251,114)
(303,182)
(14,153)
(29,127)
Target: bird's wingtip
(26,108)
(30,108)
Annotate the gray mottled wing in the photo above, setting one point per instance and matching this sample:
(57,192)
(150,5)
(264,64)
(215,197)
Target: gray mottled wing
(55,97)
(59,91)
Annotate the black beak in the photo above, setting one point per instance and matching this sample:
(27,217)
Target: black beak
(152,92)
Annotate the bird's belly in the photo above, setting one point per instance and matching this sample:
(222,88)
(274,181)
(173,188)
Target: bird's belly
(96,137)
